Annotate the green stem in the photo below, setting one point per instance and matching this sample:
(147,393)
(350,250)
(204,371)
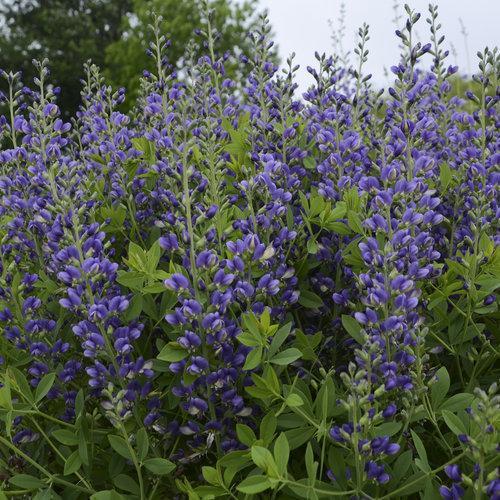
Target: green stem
(57,452)
(357,457)
(194,274)
(12,125)
(45,472)
(478,494)
(15,493)
(323,446)
(134,460)
(319,490)
(431,473)
(432,418)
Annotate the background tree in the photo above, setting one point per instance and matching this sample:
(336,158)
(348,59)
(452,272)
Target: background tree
(125,58)
(67,32)
(114,34)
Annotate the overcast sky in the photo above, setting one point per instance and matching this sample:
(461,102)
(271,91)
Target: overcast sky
(301,26)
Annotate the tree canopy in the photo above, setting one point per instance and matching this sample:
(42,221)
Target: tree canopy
(114,34)
(125,57)
(67,32)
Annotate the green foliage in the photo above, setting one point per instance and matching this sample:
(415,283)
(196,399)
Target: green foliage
(68,32)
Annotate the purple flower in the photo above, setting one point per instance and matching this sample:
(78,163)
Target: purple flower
(455,492)
(453,472)
(177,282)
(169,242)
(376,472)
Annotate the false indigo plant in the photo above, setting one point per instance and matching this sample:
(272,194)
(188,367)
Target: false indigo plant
(296,293)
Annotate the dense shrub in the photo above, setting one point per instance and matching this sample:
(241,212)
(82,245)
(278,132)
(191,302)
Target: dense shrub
(252,294)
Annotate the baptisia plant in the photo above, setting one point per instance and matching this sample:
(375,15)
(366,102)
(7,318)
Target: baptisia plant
(238,290)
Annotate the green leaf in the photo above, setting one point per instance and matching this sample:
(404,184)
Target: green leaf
(172,352)
(310,300)
(82,447)
(258,392)
(263,459)
(131,279)
(352,255)
(235,460)
(401,465)
(353,328)
(116,218)
(245,434)
(304,202)
(142,443)
(423,462)
(254,357)
(154,288)
(107,495)
(486,244)
(5,395)
(413,484)
(65,437)
(309,163)
(387,429)
(159,466)
(354,222)
(311,465)
(444,175)
(79,403)
(249,339)
(431,491)
(44,386)
(307,344)
(137,257)
(278,338)
(134,308)
(338,211)
(254,484)
(268,428)
(45,494)
(20,383)
(453,422)
(210,475)
(457,402)
(338,227)
(115,465)
(441,387)
(297,437)
(312,246)
(294,400)
(265,320)
(251,324)
(153,257)
(208,492)
(149,307)
(27,481)
(72,464)
(126,483)
(281,453)
(147,147)
(119,445)
(269,375)
(168,301)
(324,405)
(488,283)
(286,357)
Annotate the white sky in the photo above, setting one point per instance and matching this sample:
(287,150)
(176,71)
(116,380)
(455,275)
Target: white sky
(301,26)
